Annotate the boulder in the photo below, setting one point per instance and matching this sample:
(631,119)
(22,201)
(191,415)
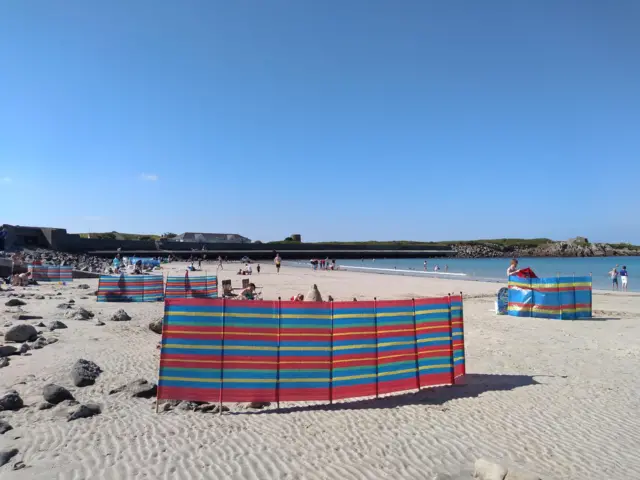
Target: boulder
(139,388)
(55,394)
(6,350)
(11,400)
(84,372)
(15,302)
(4,427)
(313,295)
(488,470)
(156,326)
(84,411)
(4,362)
(56,325)
(120,316)
(39,343)
(7,455)
(21,333)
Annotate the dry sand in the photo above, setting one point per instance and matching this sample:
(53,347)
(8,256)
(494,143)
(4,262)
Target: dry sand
(559,398)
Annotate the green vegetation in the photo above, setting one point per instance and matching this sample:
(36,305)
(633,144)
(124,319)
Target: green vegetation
(625,245)
(501,242)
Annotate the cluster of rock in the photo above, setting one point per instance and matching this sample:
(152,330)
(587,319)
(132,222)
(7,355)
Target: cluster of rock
(84,263)
(569,248)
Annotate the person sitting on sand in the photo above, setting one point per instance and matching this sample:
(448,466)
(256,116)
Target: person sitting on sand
(513,268)
(298,298)
(249,293)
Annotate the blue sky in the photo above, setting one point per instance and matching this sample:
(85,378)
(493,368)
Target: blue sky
(348,120)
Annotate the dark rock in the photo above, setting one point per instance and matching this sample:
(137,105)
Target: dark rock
(7,455)
(4,362)
(6,350)
(64,306)
(156,326)
(258,405)
(27,317)
(4,427)
(211,408)
(14,302)
(20,333)
(45,406)
(11,401)
(56,325)
(139,388)
(84,411)
(100,323)
(80,314)
(24,348)
(71,301)
(39,297)
(84,372)
(19,466)
(84,286)
(8,324)
(120,316)
(51,340)
(55,394)
(39,324)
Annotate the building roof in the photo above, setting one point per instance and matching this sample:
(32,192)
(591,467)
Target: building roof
(209,237)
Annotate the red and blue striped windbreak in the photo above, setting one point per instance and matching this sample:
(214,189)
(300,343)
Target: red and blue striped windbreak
(130,288)
(51,273)
(241,351)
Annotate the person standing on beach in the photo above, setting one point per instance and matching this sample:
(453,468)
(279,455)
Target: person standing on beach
(624,276)
(614,278)
(513,268)
(220,263)
(425,265)
(277,261)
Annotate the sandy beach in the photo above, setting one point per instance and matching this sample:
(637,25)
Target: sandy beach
(557,398)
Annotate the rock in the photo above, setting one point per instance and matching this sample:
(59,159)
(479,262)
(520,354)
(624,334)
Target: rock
(156,326)
(187,406)
(64,306)
(6,350)
(313,295)
(20,333)
(45,406)
(84,411)
(24,348)
(4,427)
(84,372)
(19,466)
(67,404)
(487,470)
(39,297)
(39,324)
(27,317)
(14,302)
(120,316)
(39,343)
(100,323)
(6,455)
(8,324)
(84,286)
(51,340)
(55,394)
(11,401)
(4,362)
(56,325)
(139,388)
(80,314)
(71,301)
(258,405)
(211,408)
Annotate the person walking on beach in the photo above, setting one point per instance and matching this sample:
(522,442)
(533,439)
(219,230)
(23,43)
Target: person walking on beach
(425,265)
(277,261)
(614,278)
(220,263)
(624,278)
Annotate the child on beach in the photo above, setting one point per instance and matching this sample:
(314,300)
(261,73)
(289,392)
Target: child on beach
(614,277)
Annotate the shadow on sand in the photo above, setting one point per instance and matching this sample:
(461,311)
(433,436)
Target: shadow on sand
(470,386)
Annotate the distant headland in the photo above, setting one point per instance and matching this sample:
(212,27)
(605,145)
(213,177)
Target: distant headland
(234,245)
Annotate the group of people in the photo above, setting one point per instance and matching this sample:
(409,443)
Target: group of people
(436,268)
(325,264)
(614,273)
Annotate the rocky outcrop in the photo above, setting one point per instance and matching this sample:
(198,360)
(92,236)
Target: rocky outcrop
(570,248)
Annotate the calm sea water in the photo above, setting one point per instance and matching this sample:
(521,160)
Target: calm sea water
(496,268)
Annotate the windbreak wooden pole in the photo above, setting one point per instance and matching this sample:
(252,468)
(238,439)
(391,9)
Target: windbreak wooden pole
(222,356)
(451,352)
(415,343)
(331,360)
(375,318)
(278,355)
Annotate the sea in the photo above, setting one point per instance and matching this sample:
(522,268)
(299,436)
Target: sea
(495,269)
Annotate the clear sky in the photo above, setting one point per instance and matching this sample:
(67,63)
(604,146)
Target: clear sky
(338,120)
